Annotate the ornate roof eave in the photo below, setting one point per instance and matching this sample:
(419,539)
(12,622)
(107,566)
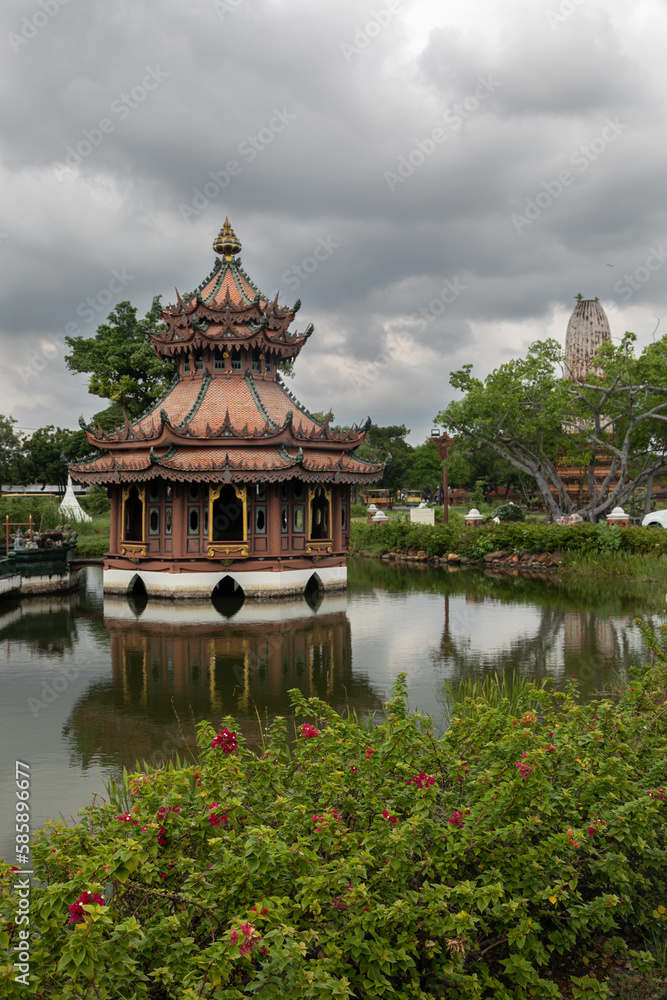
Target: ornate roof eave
(116,476)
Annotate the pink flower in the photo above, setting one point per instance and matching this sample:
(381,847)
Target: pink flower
(308,731)
(389,818)
(162,836)
(354,770)
(422,780)
(234,937)
(215,819)
(456,819)
(226,741)
(77,913)
(128,818)
(369,753)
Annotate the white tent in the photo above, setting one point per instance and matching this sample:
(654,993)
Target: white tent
(70,508)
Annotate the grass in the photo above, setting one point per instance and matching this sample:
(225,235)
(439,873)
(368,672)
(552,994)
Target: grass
(93,540)
(643,568)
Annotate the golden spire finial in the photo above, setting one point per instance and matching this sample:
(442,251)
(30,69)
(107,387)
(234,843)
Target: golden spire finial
(226,242)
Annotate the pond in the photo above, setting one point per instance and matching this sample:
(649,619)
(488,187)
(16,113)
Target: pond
(92,685)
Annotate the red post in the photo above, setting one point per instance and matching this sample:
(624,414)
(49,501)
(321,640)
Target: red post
(444,443)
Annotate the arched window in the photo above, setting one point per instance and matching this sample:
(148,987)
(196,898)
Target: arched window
(319,514)
(133,526)
(227,516)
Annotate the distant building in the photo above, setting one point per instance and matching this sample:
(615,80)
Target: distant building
(227,481)
(587,331)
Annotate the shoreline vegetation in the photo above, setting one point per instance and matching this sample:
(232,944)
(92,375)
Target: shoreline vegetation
(521,546)
(521,854)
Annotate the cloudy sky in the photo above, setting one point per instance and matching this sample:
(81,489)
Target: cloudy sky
(435,180)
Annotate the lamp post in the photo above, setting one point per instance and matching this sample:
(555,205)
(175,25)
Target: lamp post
(444,443)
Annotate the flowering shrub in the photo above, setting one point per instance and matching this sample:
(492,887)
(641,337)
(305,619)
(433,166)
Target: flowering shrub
(373,862)
(225,740)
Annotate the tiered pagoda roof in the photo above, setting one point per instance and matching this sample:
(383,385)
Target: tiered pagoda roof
(218,424)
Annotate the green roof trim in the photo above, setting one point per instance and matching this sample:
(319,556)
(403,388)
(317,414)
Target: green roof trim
(293,399)
(205,382)
(258,402)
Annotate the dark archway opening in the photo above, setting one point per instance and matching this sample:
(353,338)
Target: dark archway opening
(137,595)
(314,592)
(319,515)
(134,517)
(227,597)
(227,517)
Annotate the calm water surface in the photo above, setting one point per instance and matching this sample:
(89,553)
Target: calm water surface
(126,682)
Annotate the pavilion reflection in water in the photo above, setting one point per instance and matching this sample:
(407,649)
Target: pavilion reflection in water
(174,664)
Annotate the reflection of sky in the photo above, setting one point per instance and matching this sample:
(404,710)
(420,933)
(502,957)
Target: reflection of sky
(394,633)
(38,740)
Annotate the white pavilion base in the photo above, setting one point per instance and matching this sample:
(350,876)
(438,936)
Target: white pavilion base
(256,585)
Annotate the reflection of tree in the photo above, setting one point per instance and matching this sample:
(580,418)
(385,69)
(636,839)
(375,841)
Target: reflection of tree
(523,655)
(575,641)
(165,673)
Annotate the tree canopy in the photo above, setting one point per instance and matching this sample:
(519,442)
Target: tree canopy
(539,420)
(122,365)
(10,445)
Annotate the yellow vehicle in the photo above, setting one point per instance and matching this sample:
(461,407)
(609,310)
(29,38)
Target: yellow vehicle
(411,498)
(381,498)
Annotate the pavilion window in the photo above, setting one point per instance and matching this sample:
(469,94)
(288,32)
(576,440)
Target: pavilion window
(153,520)
(227,517)
(267,364)
(168,520)
(260,491)
(218,360)
(154,491)
(134,517)
(297,490)
(255,365)
(236,360)
(298,519)
(283,491)
(260,520)
(199,360)
(343,516)
(193,520)
(169,493)
(319,514)
(284,520)
(193,492)
(186,363)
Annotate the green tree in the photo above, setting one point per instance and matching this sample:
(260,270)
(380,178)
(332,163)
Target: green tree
(426,470)
(536,418)
(122,365)
(10,449)
(379,443)
(42,458)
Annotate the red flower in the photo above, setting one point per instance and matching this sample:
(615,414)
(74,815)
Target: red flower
(162,836)
(308,731)
(369,753)
(456,819)
(422,780)
(389,818)
(226,741)
(215,819)
(77,913)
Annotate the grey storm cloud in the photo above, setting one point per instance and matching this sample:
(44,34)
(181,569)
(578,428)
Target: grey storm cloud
(435,182)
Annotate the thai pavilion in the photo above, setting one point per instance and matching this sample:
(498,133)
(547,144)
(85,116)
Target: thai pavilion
(227,481)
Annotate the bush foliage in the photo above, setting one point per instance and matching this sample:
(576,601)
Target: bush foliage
(519,537)
(365,860)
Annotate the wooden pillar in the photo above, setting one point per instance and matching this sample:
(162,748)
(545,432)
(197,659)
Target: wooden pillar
(336,526)
(115,526)
(273,532)
(179,519)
